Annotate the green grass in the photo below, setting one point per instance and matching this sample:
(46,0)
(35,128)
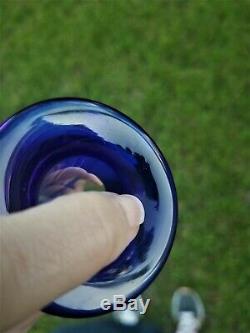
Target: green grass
(181,70)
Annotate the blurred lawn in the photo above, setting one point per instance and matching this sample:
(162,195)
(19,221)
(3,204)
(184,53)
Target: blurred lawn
(180,69)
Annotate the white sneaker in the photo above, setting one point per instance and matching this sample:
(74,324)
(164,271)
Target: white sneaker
(188,310)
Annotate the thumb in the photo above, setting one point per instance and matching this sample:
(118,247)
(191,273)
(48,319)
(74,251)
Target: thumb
(49,249)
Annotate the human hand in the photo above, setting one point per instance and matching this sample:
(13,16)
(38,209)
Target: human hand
(52,248)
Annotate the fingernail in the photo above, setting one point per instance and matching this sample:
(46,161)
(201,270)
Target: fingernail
(133,208)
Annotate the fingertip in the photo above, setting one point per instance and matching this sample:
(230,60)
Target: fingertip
(133,209)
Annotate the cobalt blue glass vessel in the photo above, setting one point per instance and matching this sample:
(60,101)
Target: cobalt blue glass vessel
(53,147)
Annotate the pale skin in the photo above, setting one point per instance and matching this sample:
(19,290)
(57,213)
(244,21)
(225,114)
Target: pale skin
(52,248)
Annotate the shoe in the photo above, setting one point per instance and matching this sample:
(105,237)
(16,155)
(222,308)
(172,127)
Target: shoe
(187,309)
(127,317)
